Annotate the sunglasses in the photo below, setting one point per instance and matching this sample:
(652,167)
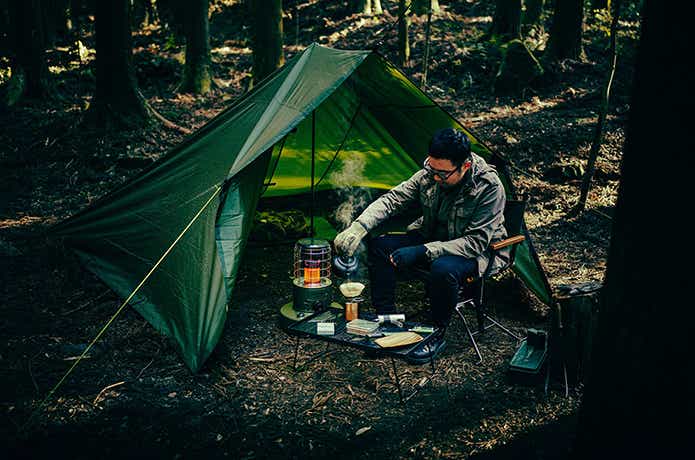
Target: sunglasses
(443,175)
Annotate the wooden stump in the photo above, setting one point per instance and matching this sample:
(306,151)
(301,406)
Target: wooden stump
(579,304)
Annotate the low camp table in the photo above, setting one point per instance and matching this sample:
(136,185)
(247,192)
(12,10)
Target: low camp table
(307,328)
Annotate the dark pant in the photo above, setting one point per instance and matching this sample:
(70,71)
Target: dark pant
(447,274)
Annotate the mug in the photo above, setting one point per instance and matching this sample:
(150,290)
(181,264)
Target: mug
(351,310)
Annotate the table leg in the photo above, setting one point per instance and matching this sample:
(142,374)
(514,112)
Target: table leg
(419,385)
(296,349)
(312,358)
(398,381)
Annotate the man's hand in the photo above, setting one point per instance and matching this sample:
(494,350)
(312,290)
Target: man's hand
(349,239)
(408,256)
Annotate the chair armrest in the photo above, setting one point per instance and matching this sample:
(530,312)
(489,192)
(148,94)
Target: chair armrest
(497,245)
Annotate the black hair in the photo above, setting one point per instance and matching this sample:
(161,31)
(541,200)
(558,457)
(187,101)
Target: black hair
(450,144)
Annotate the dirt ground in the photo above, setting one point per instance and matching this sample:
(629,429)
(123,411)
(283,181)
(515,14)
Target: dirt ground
(134,397)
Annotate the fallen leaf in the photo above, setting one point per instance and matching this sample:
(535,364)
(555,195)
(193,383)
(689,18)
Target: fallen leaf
(362,430)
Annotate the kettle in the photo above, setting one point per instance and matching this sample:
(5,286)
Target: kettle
(345,266)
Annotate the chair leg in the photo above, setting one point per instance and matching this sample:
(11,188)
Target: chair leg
(504,329)
(482,314)
(478,306)
(459,308)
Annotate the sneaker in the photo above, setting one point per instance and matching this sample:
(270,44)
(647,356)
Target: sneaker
(424,353)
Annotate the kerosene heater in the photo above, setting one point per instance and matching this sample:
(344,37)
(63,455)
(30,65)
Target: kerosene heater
(311,280)
(312,288)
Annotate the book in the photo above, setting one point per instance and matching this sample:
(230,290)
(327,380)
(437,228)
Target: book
(361,326)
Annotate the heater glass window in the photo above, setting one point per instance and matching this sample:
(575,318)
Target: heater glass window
(312,261)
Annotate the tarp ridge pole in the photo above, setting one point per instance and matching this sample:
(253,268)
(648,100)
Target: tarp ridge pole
(120,309)
(275,165)
(313,166)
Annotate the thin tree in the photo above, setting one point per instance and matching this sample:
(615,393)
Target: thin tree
(29,71)
(637,402)
(143,12)
(197,77)
(56,20)
(565,41)
(532,12)
(602,113)
(506,21)
(267,37)
(78,10)
(368,7)
(172,15)
(403,40)
(117,101)
(426,59)
(425,6)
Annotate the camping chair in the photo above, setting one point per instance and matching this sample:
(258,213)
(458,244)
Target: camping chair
(513,222)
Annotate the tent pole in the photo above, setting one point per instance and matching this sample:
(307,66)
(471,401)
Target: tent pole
(313,166)
(342,143)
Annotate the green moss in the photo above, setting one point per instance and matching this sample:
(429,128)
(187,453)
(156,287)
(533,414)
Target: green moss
(518,70)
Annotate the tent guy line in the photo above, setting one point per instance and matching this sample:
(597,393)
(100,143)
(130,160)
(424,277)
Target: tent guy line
(120,309)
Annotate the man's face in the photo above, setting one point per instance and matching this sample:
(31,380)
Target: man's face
(446,173)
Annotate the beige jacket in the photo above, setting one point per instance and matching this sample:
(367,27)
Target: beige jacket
(475,220)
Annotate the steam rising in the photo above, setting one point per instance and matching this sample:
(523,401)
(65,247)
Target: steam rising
(344,179)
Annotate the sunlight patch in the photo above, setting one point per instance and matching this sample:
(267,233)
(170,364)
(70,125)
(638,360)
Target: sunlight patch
(20,222)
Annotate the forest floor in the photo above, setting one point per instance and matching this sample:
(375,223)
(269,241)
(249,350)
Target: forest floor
(134,396)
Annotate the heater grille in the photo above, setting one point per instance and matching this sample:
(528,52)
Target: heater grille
(312,262)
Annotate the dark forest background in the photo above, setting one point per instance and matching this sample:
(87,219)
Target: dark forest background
(582,96)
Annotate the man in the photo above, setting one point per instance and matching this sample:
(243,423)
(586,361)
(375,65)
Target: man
(462,202)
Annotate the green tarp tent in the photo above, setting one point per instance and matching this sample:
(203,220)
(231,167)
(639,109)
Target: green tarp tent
(359,105)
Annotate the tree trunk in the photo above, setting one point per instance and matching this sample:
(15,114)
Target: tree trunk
(172,14)
(638,394)
(143,12)
(376,7)
(565,41)
(77,11)
(506,23)
(367,7)
(30,77)
(196,73)
(117,100)
(64,19)
(423,7)
(403,41)
(267,38)
(56,20)
(602,113)
(5,28)
(533,12)
(426,59)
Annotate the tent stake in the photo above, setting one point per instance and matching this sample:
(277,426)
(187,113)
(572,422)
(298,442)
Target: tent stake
(313,165)
(118,311)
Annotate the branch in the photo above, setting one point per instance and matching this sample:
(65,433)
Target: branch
(165,122)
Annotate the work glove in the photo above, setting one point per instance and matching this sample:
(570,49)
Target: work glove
(409,256)
(349,239)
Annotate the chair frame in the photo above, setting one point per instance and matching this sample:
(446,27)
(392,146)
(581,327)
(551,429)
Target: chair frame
(477,304)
